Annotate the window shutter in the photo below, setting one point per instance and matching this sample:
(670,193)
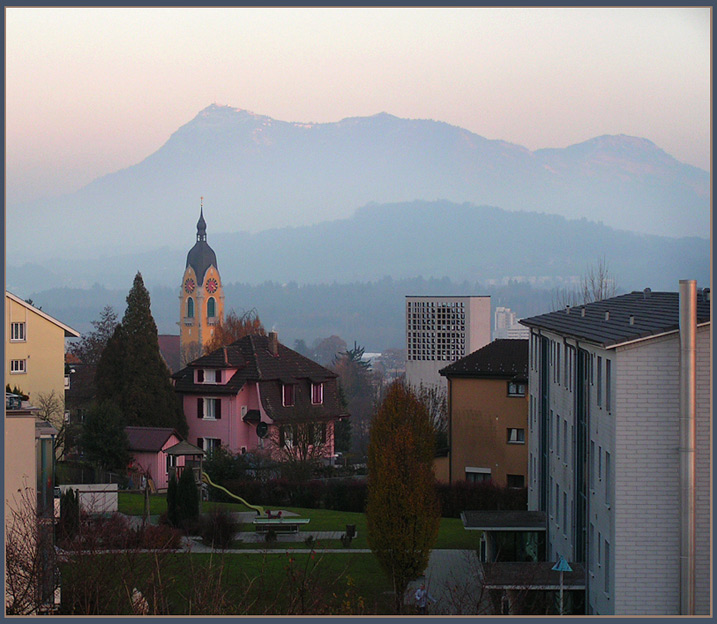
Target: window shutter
(217,409)
(200,443)
(200,408)
(200,376)
(218,376)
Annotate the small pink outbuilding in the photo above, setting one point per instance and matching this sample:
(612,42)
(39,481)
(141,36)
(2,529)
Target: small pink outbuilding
(146,445)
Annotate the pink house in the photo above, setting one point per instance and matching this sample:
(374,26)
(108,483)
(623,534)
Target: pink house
(257,394)
(146,445)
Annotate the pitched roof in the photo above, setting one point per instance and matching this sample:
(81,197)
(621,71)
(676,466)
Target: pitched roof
(69,332)
(169,348)
(503,358)
(653,313)
(254,363)
(149,439)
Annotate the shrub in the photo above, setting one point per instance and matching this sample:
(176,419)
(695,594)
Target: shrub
(217,528)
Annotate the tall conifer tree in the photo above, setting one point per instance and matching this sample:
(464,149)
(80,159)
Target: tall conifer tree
(132,373)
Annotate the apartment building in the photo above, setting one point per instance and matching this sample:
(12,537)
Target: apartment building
(611,461)
(441,330)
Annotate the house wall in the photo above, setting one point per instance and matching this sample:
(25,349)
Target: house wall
(43,349)
(634,509)
(233,432)
(481,413)
(647,483)
(20,471)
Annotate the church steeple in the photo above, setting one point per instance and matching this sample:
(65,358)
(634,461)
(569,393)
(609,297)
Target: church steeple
(201,296)
(201,224)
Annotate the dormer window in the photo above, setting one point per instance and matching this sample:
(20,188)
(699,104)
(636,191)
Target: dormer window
(210,376)
(287,394)
(317,393)
(516,389)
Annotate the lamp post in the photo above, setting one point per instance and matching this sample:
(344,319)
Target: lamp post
(561,566)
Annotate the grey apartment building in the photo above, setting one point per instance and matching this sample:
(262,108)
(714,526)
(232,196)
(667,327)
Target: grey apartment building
(624,484)
(440,330)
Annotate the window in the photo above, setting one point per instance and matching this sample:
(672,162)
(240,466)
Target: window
(607,478)
(211,445)
(477,475)
(608,385)
(599,381)
(17,332)
(286,436)
(18,366)
(209,409)
(190,308)
(516,436)
(287,395)
(211,307)
(515,481)
(600,463)
(565,513)
(317,393)
(565,441)
(218,376)
(607,567)
(557,503)
(591,546)
(599,545)
(171,462)
(557,434)
(516,389)
(592,464)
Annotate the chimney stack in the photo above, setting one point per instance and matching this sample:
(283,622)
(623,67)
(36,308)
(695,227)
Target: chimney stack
(274,343)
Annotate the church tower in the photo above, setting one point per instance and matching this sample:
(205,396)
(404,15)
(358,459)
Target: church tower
(201,297)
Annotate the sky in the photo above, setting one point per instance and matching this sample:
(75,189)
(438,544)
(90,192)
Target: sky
(90,91)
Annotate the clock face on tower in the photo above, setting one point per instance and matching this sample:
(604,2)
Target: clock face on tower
(189,285)
(211,286)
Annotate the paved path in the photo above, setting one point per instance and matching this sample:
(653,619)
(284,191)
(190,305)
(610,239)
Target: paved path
(452,578)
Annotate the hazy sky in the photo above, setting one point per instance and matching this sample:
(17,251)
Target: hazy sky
(93,90)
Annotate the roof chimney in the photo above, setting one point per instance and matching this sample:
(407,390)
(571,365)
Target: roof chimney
(567,309)
(632,319)
(646,293)
(582,311)
(274,343)
(706,294)
(607,315)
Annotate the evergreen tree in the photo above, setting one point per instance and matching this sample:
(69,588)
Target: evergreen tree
(132,372)
(104,440)
(402,507)
(172,502)
(187,499)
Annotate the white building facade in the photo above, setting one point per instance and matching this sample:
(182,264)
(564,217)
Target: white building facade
(440,330)
(604,460)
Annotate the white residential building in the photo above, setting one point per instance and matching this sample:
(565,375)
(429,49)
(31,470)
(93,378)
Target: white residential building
(607,462)
(440,330)
(506,325)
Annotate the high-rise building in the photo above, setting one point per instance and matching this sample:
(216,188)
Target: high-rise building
(440,330)
(201,297)
(506,325)
(620,444)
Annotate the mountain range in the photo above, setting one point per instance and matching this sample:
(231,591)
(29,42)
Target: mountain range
(256,173)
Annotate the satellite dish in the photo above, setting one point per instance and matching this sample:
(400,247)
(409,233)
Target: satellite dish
(262,429)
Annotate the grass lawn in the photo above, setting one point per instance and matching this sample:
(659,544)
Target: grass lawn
(451,533)
(228,584)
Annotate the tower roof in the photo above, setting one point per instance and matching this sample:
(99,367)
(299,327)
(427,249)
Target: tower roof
(201,256)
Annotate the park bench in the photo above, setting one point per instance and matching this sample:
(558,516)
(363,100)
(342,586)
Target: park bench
(279,525)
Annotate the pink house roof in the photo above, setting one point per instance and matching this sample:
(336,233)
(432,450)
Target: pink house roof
(149,439)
